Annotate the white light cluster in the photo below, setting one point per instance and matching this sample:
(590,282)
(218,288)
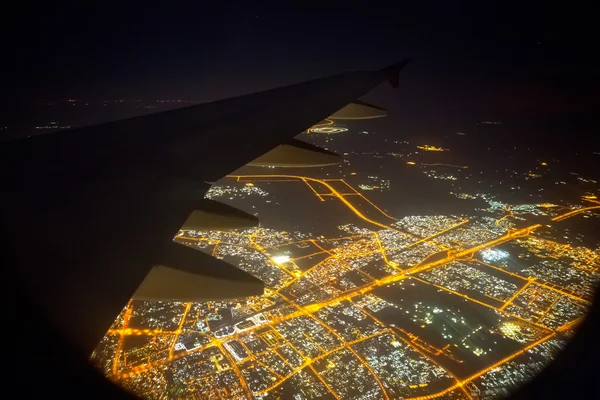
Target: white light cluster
(328,129)
(494,255)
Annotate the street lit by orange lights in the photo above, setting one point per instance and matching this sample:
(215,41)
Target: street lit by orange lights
(310,310)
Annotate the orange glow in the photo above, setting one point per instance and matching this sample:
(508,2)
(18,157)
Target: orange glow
(574,212)
(126,318)
(179,328)
(369,243)
(485,370)
(427,147)
(515,295)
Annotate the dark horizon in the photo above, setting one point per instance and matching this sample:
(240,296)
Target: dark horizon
(470,61)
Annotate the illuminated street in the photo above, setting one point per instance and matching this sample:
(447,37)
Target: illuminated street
(324,325)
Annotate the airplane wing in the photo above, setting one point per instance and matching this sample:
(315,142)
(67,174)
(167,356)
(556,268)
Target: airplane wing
(89,214)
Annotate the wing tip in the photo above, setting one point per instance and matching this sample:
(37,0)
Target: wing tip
(392,72)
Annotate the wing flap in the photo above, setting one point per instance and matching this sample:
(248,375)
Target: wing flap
(359,110)
(187,274)
(242,129)
(230,132)
(211,214)
(296,154)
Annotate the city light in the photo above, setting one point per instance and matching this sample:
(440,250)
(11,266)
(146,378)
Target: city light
(490,255)
(281,259)
(328,129)
(314,327)
(427,147)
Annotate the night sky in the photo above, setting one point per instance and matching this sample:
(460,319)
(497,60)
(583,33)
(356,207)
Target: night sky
(529,64)
(471,62)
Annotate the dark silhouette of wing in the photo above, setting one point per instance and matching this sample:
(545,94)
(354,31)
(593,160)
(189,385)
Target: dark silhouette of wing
(88,212)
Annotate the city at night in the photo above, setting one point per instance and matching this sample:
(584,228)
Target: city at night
(279,202)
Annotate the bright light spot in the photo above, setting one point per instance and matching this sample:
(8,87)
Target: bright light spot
(427,147)
(410,163)
(510,329)
(179,346)
(328,129)
(514,330)
(249,184)
(494,255)
(281,259)
(546,205)
(544,164)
